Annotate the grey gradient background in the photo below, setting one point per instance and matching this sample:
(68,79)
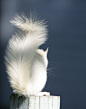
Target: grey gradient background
(66,20)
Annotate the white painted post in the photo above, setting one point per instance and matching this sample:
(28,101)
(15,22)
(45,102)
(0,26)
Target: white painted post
(34,102)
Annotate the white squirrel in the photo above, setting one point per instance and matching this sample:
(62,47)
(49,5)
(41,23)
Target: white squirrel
(27,64)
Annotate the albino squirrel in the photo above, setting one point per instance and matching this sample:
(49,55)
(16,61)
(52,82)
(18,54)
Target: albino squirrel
(27,64)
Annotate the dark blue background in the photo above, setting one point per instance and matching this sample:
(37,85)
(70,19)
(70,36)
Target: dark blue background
(66,20)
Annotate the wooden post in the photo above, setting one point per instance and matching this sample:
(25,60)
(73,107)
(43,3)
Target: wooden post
(34,102)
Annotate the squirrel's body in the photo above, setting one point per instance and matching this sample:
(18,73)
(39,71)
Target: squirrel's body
(26,63)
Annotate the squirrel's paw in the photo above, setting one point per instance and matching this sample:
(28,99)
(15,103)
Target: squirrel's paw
(43,94)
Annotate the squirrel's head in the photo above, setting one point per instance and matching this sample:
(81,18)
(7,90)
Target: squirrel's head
(43,54)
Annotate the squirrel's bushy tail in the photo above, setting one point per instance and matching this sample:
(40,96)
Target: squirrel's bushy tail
(21,51)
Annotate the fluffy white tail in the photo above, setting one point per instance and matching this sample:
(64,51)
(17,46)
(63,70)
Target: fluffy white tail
(21,51)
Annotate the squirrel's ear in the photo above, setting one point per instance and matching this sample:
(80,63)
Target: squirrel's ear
(47,50)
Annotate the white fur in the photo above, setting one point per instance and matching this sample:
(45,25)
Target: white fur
(26,64)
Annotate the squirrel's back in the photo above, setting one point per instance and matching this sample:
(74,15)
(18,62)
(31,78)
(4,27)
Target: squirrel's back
(21,51)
